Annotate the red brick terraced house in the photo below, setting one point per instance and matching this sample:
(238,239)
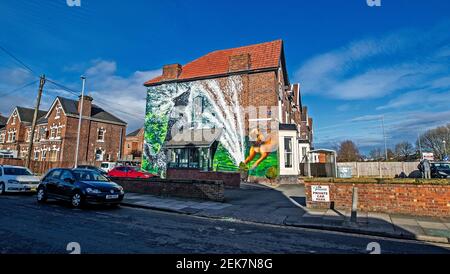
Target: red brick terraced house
(217,93)
(134,145)
(102,134)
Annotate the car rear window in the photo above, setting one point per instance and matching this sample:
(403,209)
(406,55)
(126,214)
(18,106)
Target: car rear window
(54,174)
(85,175)
(16,171)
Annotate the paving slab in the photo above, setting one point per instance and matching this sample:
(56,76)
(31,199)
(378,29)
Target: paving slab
(432,225)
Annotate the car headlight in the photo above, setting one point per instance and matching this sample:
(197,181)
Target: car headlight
(93,191)
(443,173)
(15,182)
(121,189)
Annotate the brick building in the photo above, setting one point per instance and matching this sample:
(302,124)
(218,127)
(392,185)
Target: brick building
(242,99)
(101,139)
(134,145)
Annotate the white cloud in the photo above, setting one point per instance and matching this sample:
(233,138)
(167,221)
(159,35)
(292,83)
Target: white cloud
(123,96)
(375,67)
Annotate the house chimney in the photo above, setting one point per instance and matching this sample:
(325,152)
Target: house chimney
(239,62)
(87,105)
(172,72)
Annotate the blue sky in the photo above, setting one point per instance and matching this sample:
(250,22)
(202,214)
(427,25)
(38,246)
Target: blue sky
(354,62)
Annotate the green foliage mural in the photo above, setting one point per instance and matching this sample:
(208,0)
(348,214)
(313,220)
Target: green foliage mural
(175,105)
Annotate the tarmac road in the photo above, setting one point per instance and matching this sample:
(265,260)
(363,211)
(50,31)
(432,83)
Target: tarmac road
(29,228)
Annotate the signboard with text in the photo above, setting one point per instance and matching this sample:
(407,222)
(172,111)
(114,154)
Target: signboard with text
(320,193)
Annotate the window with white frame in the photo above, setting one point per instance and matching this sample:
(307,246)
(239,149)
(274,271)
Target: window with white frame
(12,136)
(44,154)
(58,112)
(288,152)
(36,155)
(58,131)
(2,138)
(28,135)
(14,117)
(53,155)
(101,135)
(99,154)
(53,131)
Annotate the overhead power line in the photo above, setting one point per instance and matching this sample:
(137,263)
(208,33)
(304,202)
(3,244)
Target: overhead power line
(17,60)
(17,89)
(76,93)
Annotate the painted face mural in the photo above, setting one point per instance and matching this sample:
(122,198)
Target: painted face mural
(194,107)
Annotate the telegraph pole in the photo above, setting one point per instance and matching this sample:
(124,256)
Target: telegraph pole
(79,120)
(35,117)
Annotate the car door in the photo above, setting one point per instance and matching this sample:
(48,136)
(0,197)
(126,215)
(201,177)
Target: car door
(66,184)
(51,182)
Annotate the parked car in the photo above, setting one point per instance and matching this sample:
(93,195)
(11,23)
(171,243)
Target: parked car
(94,168)
(129,172)
(440,170)
(17,179)
(107,166)
(79,187)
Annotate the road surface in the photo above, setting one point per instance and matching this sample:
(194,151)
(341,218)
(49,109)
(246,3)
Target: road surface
(30,228)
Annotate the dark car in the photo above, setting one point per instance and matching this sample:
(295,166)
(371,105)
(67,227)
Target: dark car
(94,168)
(79,187)
(440,170)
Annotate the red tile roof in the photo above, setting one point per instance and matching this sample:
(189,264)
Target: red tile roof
(262,56)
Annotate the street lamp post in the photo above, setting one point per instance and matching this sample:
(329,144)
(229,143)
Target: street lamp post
(445,149)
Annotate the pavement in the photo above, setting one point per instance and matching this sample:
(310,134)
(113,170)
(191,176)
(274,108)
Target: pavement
(285,205)
(27,227)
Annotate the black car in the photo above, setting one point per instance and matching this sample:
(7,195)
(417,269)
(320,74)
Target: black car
(94,168)
(440,170)
(79,186)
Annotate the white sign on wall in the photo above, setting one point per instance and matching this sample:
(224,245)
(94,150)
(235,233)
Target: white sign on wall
(428,156)
(320,193)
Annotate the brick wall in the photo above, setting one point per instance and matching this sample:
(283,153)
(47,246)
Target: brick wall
(409,199)
(207,190)
(229,179)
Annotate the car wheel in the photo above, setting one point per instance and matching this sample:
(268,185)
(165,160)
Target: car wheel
(41,195)
(76,200)
(2,189)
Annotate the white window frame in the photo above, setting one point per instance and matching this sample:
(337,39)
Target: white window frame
(103,131)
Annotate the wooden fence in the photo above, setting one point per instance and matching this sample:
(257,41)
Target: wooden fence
(380,169)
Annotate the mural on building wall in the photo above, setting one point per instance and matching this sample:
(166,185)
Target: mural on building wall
(206,104)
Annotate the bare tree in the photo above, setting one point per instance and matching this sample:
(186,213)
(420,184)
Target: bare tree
(436,140)
(376,154)
(348,152)
(404,151)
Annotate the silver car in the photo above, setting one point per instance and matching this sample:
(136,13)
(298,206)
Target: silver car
(17,179)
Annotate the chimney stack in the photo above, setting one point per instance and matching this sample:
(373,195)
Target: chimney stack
(172,72)
(87,105)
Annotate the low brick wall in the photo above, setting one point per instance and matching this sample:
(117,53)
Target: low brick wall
(419,199)
(207,190)
(230,179)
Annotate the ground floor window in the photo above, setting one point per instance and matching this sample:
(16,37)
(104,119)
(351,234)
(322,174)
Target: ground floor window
(53,156)
(197,158)
(99,155)
(288,152)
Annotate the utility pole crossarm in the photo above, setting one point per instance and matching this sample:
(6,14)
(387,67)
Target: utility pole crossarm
(35,117)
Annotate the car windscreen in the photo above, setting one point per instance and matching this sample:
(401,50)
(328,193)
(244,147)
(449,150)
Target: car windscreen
(16,171)
(88,175)
(104,165)
(442,166)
